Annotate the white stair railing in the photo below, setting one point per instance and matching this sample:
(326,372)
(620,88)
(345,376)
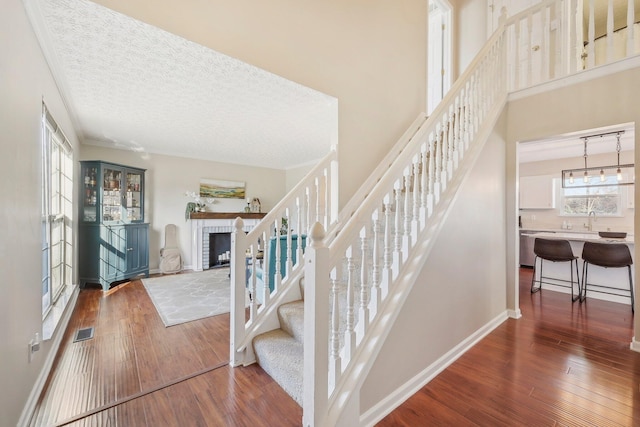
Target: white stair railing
(357,282)
(266,261)
(262,314)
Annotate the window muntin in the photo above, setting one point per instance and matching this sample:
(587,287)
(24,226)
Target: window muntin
(603,201)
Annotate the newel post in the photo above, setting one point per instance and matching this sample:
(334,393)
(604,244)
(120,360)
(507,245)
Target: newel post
(238,281)
(316,329)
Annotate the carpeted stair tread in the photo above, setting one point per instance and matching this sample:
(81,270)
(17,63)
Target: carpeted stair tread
(291,316)
(281,356)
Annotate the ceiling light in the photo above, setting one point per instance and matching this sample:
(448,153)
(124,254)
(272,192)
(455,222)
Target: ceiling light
(606,172)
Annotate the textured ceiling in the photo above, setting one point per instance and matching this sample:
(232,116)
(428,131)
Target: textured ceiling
(133,86)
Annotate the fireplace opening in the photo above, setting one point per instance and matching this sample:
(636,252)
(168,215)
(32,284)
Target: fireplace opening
(219,247)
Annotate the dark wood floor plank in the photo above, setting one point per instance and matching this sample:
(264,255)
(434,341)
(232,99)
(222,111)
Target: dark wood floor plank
(562,363)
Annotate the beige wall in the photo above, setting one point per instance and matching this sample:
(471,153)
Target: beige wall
(25,81)
(461,287)
(369,54)
(167,180)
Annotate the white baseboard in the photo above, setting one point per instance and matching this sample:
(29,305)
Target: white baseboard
(635,345)
(38,387)
(411,387)
(514,314)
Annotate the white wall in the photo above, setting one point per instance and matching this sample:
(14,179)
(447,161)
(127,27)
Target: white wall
(167,180)
(461,287)
(470,31)
(369,54)
(25,81)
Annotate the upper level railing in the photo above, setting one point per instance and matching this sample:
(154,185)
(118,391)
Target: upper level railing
(357,282)
(558,38)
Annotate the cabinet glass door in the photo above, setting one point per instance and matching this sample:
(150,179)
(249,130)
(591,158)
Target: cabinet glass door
(133,199)
(111,197)
(90,194)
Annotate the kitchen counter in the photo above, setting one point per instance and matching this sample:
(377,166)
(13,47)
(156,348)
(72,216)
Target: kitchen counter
(558,273)
(583,237)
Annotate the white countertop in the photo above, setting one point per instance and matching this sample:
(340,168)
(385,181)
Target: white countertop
(582,237)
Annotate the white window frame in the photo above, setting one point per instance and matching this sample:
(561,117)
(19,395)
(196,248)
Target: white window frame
(618,194)
(57,212)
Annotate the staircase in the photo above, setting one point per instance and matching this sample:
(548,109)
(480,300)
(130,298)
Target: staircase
(280,352)
(359,264)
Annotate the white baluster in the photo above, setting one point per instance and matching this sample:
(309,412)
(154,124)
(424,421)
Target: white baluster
(289,249)
(467,117)
(376,259)
(397,254)
(630,28)
(408,210)
(425,206)
(457,125)
(442,158)
(319,189)
(335,361)
(301,231)
(415,225)
(610,52)
(387,255)
(349,333)
(591,29)
(544,50)
(516,54)
(434,187)
(277,275)
(253,308)
(363,313)
(450,142)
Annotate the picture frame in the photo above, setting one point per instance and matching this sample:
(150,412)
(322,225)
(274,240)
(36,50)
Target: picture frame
(221,189)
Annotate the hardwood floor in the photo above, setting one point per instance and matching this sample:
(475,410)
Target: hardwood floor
(137,372)
(561,364)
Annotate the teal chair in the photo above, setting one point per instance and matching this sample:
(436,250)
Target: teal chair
(283,255)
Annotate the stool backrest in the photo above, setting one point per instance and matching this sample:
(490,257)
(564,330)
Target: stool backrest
(607,254)
(553,249)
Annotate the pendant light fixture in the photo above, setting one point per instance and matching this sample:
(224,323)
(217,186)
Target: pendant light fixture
(624,174)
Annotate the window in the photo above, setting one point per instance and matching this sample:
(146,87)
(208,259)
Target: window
(603,201)
(57,208)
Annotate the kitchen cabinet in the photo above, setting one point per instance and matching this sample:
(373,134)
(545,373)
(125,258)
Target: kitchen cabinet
(537,192)
(112,236)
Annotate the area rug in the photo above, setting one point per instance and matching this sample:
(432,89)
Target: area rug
(181,298)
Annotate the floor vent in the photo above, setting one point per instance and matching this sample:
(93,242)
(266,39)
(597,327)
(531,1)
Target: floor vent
(83,334)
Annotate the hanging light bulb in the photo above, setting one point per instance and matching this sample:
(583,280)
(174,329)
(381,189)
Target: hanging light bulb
(585,179)
(571,178)
(618,172)
(602,178)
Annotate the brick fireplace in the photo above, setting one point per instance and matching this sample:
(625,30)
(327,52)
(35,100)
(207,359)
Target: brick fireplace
(204,224)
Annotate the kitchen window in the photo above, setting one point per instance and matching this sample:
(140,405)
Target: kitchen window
(604,201)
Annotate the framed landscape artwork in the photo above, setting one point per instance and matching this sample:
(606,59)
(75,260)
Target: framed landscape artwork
(222,189)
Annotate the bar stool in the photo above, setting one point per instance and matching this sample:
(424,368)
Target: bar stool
(554,250)
(608,255)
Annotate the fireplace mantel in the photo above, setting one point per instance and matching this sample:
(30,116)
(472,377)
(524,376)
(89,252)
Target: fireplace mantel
(226,215)
(214,222)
